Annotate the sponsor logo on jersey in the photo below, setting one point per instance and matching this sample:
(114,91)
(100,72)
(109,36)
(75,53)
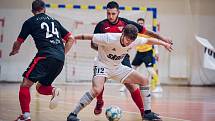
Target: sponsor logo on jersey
(120,28)
(115,57)
(107,27)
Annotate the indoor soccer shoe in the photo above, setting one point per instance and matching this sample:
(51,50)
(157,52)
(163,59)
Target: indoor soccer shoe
(55,97)
(151,117)
(21,118)
(73,117)
(98,108)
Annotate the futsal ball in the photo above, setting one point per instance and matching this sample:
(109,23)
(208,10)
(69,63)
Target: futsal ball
(113,113)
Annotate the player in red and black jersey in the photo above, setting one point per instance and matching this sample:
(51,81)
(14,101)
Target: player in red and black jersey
(48,35)
(115,24)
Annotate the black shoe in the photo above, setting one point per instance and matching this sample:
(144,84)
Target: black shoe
(73,117)
(151,117)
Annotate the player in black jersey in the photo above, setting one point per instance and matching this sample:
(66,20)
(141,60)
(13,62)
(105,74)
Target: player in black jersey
(115,24)
(49,37)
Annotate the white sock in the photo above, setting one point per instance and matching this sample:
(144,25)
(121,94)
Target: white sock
(147,97)
(26,115)
(83,102)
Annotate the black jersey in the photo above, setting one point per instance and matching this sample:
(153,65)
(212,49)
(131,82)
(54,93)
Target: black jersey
(47,34)
(105,26)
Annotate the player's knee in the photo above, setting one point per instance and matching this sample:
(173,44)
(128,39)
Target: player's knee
(144,81)
(130,87)
(26,83)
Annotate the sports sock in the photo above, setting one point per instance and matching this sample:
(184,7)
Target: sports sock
(24,99)
(100,96)
(45,90)
(147,98)
(136,96)
(154,81)
(83,102)
(26,115)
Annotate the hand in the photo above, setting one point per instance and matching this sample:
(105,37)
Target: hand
(156,57)
(168,41)
(168,46)
(13,52)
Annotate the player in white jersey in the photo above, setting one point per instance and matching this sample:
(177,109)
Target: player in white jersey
(112,47)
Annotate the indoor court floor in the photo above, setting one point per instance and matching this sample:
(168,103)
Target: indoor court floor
(176,103)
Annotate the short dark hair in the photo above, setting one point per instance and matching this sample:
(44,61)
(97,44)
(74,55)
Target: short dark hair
(38,5)
(141,19)
(130,31)
(113,4)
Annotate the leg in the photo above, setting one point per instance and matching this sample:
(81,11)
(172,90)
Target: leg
(49,90)
(130,87)
(155,78)
(99,103)
(24,99)
(97,86)
(52,70)
(134,91)
(136,96)
(126,62)
(136,77)
(44,90)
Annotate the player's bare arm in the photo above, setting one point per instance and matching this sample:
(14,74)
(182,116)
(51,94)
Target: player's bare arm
(84,37)
(16,47)
(154,41)
(155,35)
(69,44)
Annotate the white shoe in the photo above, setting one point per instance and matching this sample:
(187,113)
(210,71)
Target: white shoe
(22,118)
(158,89)
(122,89)
(55,98)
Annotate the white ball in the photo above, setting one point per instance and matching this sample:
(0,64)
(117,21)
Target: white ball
(113,113)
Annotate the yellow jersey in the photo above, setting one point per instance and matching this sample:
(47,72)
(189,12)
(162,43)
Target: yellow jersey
(145,47)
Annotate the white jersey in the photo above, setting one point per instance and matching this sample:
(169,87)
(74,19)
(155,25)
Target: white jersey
(110,50)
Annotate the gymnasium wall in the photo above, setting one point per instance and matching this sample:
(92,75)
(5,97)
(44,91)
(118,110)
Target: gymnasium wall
(180,20)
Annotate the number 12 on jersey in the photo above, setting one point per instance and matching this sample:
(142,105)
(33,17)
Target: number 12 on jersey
(98,70)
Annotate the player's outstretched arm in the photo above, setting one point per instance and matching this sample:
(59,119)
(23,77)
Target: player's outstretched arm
(84,37)
(16,47)
(69,43)
(157,36)
(154,41)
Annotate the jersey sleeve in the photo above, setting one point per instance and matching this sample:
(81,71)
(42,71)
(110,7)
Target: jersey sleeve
(25,31)
(96,31)
(100,39)
(98,28)
(140,28)
(140,41)
(64,33)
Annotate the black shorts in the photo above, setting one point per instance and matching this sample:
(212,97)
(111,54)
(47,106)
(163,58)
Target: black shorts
(44,70)
(126,61)
(144,57)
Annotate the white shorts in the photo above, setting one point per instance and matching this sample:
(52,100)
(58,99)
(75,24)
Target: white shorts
(119,74)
